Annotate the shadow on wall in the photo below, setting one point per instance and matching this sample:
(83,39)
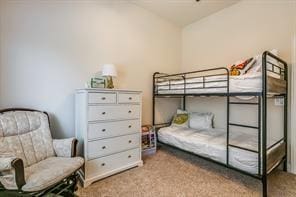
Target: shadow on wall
(64,126)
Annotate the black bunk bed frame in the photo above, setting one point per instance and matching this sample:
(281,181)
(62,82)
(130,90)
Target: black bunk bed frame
(262,112)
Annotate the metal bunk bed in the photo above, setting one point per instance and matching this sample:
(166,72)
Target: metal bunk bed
(191,88)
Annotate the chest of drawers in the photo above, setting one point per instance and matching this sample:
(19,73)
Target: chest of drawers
(108,127)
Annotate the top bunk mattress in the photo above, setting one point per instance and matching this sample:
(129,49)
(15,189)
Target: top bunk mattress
(218,84)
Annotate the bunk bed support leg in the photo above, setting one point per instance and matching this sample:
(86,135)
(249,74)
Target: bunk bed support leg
(227,119)
(286,118)
(264,186)
(184,103)
(153,99)
(184,97)
(285,165)
(264,126)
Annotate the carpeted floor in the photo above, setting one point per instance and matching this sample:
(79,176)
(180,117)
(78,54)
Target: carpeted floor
(171,173)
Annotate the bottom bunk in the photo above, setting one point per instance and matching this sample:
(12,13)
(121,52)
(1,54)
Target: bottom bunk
(212,144)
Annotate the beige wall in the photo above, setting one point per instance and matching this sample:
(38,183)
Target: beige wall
(240,31)
(1,47)
(51,48)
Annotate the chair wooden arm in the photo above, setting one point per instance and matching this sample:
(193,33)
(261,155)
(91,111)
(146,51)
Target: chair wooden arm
(74,148)
(18,166)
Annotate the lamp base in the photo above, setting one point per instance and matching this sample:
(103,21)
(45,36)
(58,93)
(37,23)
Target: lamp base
(109,84)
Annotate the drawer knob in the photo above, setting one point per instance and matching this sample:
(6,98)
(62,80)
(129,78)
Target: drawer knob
(129,126)
(129,141)
(103,98)
(129,156)
(103,130)
(103,113)
(104,147)
(129,111)
(130,98)
(103,164)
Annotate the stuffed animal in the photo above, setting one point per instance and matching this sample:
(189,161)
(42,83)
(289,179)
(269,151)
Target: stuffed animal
(234,71)
(242,67)
(146,128)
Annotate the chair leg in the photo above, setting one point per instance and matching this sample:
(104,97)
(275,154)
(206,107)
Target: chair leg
(74,187)
(70,192)
(66,188)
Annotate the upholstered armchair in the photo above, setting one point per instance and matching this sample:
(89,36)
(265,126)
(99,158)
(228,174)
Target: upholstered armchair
(31,162)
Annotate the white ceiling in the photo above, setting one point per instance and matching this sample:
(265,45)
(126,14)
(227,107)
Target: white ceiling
(184,12)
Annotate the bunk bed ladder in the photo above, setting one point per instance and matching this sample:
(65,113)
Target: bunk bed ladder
(258,128)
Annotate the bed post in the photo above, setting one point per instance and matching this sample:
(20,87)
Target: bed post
(286,117)
(259,100)
(184,103)
(153,99)
(228,115)
(264,125)
(184,96)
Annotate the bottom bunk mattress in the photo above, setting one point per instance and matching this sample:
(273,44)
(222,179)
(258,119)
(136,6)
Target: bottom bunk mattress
(212,144)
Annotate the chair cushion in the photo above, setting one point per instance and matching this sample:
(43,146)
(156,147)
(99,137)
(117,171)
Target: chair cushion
(26,135)
(49,172)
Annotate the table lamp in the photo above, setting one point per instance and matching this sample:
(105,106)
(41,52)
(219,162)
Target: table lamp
(109,71)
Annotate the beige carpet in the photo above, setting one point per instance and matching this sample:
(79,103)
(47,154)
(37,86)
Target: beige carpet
(171,173)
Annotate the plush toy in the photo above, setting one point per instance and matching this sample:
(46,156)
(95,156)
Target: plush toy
(241,67)
(234,71)
(146,128)
(180,119)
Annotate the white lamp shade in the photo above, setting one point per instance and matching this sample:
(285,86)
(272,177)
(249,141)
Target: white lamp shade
(109,70)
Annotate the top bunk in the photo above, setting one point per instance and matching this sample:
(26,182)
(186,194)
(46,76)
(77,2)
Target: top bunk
(262,74)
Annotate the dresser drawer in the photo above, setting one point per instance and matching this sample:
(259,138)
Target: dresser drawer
(110,163)
(129,98)
(108,146)
(98,113)
(99,98)
(109,129)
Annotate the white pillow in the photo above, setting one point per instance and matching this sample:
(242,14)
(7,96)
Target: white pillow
(201,121)
(257,67)
(180,111)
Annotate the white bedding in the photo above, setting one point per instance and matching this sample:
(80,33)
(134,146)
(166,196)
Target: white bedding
(212,144)
(214,84)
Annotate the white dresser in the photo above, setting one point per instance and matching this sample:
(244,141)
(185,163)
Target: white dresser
(108,127)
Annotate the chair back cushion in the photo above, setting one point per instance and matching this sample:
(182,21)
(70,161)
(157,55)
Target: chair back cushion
(26,135)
